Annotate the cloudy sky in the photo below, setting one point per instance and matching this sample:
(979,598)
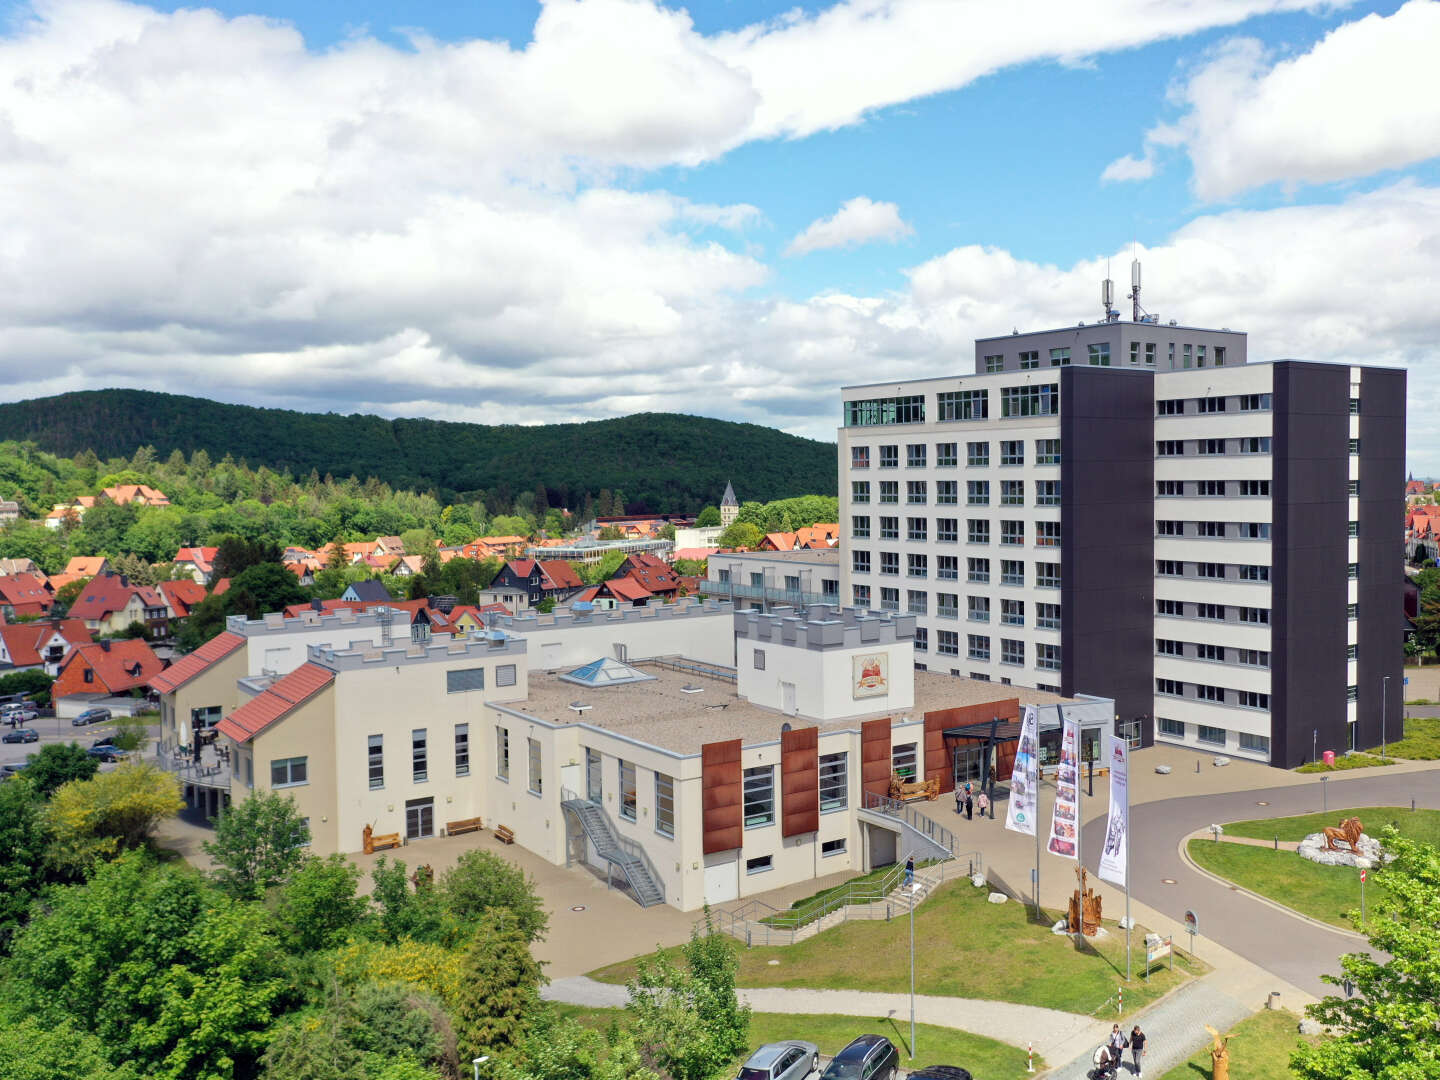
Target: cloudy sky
(510,211)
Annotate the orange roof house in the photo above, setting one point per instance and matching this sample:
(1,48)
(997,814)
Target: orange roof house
(201,660)
(181,596)
(200,561)
(143,494)
(26,594)
(282,698)
(40,644)
(107,667)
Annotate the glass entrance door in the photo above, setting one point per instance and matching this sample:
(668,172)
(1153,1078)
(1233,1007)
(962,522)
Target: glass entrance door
(970,765)
(419,818)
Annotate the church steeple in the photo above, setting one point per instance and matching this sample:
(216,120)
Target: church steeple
(729,506)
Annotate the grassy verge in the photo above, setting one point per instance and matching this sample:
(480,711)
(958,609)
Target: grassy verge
(1259,1050)
(964,947)
(934,1045)
(1344,762)
(1421,741)
(1419,825)
(1326,893)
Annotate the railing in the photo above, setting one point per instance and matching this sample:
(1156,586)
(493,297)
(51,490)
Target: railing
(931,830)
(778,595)
(693,667)
(210,771)
(624,843)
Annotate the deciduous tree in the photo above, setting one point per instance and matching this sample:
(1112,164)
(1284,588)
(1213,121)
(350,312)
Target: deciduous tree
(258,843)
(482,885)
(56,764)
(319,908)
(109,813)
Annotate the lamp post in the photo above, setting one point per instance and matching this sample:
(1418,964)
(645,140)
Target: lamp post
(1384,693)
(477,1062)
(912,971)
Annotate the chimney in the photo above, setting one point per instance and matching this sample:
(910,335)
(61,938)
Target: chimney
(124,581)
(104,644)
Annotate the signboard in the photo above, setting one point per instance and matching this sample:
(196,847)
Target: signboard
(1021,807)
(1158,950)
(1114,857)
(1065,822)
(871,673)
(1192,922)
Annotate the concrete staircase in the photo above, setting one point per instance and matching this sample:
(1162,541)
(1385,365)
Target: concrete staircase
(592,819)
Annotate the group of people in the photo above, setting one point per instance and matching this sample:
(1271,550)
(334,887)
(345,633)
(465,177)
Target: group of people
(966,800)
(1117,1045)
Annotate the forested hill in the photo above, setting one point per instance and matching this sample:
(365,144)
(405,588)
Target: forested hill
(661,461)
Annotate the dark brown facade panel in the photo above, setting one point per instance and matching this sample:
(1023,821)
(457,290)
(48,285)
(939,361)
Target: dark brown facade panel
(938,751)
(1381,585)
(875,760)
(721,796)
(799,781)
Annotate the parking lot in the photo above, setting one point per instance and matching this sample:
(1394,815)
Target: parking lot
(54,730)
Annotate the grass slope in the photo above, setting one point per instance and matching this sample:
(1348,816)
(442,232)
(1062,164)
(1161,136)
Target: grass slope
(964,947)
(1423,825)
(1259,1050)
(1327,893)
(1421,741)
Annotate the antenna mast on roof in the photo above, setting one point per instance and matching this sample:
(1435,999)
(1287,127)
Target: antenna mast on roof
(1107,296)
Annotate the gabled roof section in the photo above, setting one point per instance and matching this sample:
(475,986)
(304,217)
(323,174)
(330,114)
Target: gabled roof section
(370,591)
(606,671)
(283,698)
(119,665)
(561,574)
(728,499)
(201,660)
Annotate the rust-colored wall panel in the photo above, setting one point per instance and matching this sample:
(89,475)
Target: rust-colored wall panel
(938,750)
(800,781)
(721,796)
(875,761)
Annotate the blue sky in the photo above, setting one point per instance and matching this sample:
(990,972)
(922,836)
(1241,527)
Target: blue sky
(728,208)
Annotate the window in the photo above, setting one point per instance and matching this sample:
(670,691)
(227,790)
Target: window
(889,599)
(860,491)
(1250,699)
(664,804)
(1047,657)
(758,865)
(376,751)
(1189,354)
(1354,529)
(978,608)
(1354,446)
(1254,530)
(1033,400)
(947,455)
(1173,728)
(1255,487)
(860,526)
(1354,406)
(1170,448)
(1169,607)
(1212,529)
(889,491)
(1352,693)
(861,594)
(1172,356)
(505,675)
(1170,407)
(1215,612)
(1210,488)
(1211,404)
(462,749)
(1259,744)
(1047,616)
(1352,570)
(1012,492)
(1047,575)
(1210,446)
(1352,611)
(1170,687)
(1169,528)
(1254,402)
(628,800)
(890,563)
(1012,532)
(759,794)
(1205,651)
(979,647)
(978,676)
(1099,354)
(89,675)
(979,571)
(1150,353)
(1047,492)
(922,642)
(1169,568)
(947,492)
(889,528)
(859,457)
(902,760)
(419,757)
(947,643)
(1012,452)
(1012,572)
(1255,446)
(1169,488)
(1012,652)
(832,847)
(533,757)
(1047,534)
(1210,569)
(502,753)
(1208,734)
(889,457)
(977,454)
(289,772)
(1252,657)
(465,679)
(947,605)
(891,410)
(916,492)
(994,363)
(1029,360)
(978,531)
(977,493)
(834,782)
(963,404)
(918,565)
(947,567)
(1060,357)
(1134,352)
(1012,612)
(758,660)
(1166,647)
(947,530)
(1353,487)
(915,456)
(1219,355)
(1260,615)
(860,562)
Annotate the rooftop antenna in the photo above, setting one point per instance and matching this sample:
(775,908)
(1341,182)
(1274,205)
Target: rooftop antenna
(1107,295)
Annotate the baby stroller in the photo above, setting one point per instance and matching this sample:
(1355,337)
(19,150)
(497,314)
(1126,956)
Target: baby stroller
(1107,1063)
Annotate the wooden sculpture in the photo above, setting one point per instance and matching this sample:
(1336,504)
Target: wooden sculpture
(367,844)
(899,789)
(423,877)
(1349,831)
(1084,914)
(1219,1055)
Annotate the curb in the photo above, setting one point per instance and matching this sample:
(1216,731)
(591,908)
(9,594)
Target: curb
(1201,834)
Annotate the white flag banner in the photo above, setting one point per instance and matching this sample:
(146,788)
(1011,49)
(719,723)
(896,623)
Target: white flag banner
(1065,823)
(1113,866)
(1020,813)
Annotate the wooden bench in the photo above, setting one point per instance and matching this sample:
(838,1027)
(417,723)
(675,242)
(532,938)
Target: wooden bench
(385,840)
(504,835)
(464,825)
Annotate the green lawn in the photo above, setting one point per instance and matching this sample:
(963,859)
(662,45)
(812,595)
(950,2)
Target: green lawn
(1421,741)
(1420,825)
(1259,1050)
(1344,762)
(964,947)
(812,907)
(936,1045)
(1321,892)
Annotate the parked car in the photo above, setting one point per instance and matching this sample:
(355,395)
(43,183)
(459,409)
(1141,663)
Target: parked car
(108,752)
(870,1057)
(18,712)
(939,1072)
(23,734)
(91,716)
(12,769)
(792,1060)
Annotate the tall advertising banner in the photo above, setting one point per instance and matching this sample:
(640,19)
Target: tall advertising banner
(1113,866)
(1065,824)
(1021,809)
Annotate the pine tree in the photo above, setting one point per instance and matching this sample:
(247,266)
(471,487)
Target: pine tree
(499,993)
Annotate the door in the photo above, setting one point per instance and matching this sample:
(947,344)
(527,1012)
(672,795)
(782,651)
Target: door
(970,765)
(787,698)
(722,878)
(419,818)
(594,781)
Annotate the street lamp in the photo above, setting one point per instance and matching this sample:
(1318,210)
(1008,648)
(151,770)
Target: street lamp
(477,1062)
(1384,688)
(912,971)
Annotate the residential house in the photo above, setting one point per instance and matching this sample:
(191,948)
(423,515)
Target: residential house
(304,572)
(406,566)
(140,494)
(366,592)
(18,566)
(180,597)
(9,512)
(25,594)
(1414,487)
(524,583)
(622,590)
(111,602)
(818,536)
(777,541)
(104,669)
(653,573)
(40,644)
(199,562)
(493,547)
(388,547)
(72,512)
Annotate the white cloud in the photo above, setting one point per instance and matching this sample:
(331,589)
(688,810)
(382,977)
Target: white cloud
(858,221)
(1361,101)
(1130,167)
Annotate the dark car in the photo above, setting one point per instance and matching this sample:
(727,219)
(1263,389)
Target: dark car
(107,752)
(870,1057)
(91,716)
(22,735)
(14,768)
(939,1072)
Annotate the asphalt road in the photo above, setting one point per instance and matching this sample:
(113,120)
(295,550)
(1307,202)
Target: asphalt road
(53,730)
(1297,951)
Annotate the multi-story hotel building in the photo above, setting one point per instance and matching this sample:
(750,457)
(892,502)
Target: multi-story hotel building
(1133,510)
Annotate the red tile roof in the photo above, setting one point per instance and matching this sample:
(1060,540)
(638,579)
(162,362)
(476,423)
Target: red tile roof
(103,596)
(202,558)
(28,594)
(626,588)
(23,641)
(122,494)
(180,596)
(126,664)
(279,701)
(202,659)
(85,565)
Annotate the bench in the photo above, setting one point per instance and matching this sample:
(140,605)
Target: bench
(464,825)
(504,835)
(385,840)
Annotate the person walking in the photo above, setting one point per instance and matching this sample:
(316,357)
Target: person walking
(910,872)
(959,801)
(983,803)
(1116,1042)
(1137,1047)
(969,807)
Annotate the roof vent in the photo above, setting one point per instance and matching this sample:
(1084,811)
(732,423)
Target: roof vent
(689,689)
(579,707)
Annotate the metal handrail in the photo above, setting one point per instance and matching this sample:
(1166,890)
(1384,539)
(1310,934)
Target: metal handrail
(625,844)
(925,826)
(712,671)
